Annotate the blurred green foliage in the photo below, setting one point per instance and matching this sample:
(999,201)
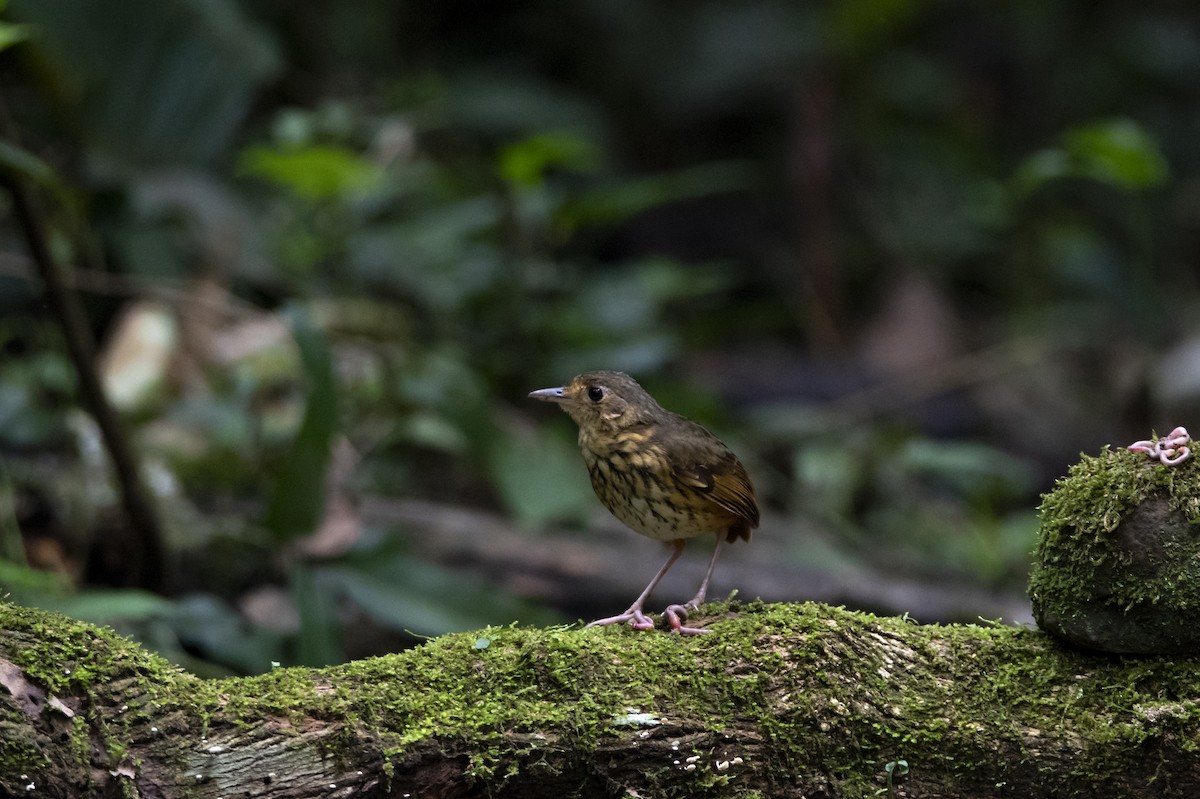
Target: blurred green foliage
(296,501)
(383,223)
(1117,152)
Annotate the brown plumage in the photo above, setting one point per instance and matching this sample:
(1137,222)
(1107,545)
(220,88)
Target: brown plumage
(662,475)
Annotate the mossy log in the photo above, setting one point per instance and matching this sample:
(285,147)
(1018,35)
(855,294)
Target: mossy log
(778,701)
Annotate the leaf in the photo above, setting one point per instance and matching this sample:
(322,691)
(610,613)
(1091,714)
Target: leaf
(973,470)
(30,586)
(407,593)
(429,429)
(1118,152)
(11,34)
(539,476)
(318,643)
(618,202)
(111,607)
(152,82)
(19,160)
(208,625)
(526,162)
(314,172)
(298,494)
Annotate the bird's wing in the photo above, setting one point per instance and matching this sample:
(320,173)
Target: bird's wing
(722,479)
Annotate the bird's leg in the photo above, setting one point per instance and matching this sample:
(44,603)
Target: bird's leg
(637,619)
(698,599)
(677,614)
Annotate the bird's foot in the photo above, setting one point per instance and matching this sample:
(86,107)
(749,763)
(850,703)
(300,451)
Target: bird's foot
(677,615)
(636,618)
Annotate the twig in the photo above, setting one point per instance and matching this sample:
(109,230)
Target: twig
(143,551)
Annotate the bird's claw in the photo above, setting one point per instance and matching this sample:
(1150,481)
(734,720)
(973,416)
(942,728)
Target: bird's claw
(677,615)
(636,618)
(642,622)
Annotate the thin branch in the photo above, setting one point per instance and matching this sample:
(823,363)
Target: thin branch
(142,551)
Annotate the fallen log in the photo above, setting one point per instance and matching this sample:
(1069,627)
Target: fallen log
(791,700)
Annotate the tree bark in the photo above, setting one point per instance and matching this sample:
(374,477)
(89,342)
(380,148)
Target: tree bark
(778,701)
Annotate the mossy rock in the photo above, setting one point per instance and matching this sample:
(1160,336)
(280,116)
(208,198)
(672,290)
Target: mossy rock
(1118,557)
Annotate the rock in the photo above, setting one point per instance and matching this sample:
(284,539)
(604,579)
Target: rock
(1118,558)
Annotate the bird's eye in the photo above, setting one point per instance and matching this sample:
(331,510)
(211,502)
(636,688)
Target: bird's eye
(595,393)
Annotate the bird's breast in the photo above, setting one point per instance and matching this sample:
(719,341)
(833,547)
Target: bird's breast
(633,478)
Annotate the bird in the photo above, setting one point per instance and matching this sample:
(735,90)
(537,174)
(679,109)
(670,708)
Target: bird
(660,474)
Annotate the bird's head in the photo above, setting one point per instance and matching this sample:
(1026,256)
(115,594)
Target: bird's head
(602,400)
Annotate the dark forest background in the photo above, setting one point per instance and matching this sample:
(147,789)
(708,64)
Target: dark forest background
(908,259)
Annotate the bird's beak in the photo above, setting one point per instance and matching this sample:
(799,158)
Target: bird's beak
(549,394)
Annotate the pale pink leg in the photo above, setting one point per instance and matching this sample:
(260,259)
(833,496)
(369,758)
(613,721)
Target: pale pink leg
(698,599)
(636,618)
(677,614)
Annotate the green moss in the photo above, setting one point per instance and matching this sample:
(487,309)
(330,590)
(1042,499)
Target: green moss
(67,656)
(832,692)
(18,754)
(1087,505)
